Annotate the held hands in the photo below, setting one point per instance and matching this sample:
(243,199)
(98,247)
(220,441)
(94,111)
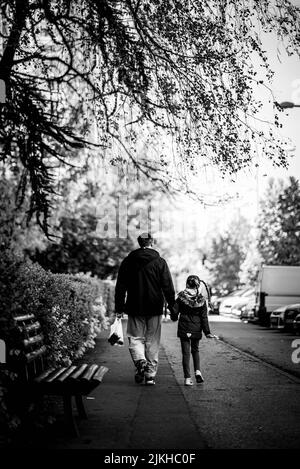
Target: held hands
(212,336)
(173,315)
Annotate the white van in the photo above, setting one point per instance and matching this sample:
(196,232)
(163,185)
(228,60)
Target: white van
(277,286)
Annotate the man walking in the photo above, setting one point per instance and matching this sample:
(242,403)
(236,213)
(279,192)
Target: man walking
(144,282)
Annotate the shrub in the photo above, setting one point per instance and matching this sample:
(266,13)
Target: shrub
(72,309)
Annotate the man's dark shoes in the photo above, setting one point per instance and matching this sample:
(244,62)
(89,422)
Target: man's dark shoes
(140,371)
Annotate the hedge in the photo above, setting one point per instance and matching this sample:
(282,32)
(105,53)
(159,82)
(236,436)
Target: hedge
(72,309)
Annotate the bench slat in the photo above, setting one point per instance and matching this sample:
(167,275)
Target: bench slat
(76,374)
(33,340)
(36,353)
(66,373)
(43,375)
(89,372)
(98,376)
(54,375)
(25,317)
(32,327)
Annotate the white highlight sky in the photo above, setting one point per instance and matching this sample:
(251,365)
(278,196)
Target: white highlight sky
(244,190)
(249,185)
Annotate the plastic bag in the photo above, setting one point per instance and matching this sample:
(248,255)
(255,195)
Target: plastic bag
(116,333)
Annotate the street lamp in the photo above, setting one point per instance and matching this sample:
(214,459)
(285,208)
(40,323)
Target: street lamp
(288,105)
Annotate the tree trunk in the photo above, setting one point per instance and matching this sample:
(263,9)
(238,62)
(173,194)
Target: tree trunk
(7,60)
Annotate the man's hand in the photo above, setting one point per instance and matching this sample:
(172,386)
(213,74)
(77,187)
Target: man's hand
(115,316)
(212,336)
(173,315)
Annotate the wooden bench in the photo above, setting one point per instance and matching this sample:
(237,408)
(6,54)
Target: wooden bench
(39,379)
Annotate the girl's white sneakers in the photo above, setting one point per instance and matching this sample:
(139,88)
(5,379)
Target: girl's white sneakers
(198,376)
(188,382)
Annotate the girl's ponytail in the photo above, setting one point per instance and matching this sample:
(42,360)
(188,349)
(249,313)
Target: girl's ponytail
(207,289)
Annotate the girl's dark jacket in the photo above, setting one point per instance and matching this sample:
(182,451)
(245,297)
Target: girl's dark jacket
(144,282)
(192,311)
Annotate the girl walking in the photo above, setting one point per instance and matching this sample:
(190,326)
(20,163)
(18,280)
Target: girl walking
(191,308)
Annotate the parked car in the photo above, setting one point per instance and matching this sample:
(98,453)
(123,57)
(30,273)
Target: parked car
(224,300)
(248,311)
(296,324)
(233,303)
(277,318)
(245,307)
(215,302)
(291,314)
(283,317)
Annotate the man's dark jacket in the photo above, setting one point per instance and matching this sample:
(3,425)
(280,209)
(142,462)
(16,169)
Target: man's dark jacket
(144,280)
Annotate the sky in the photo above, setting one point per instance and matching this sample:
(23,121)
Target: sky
(240,194)
(250,185)
(286,87)
(243,192)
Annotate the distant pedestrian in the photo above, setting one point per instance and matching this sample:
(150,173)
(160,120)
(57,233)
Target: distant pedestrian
(144,283)
(191,308)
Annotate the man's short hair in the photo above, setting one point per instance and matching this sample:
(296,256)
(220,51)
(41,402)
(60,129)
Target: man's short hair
(145,239)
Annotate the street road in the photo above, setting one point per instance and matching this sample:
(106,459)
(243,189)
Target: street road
(244,402)
(271,345)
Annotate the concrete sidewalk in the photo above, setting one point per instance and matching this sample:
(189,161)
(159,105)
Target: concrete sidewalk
(244,403)
(124,415)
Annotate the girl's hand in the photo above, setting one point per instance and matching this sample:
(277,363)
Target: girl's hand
(212,336)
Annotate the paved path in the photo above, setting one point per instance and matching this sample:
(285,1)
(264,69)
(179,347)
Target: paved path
(124,415)
(243,403)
